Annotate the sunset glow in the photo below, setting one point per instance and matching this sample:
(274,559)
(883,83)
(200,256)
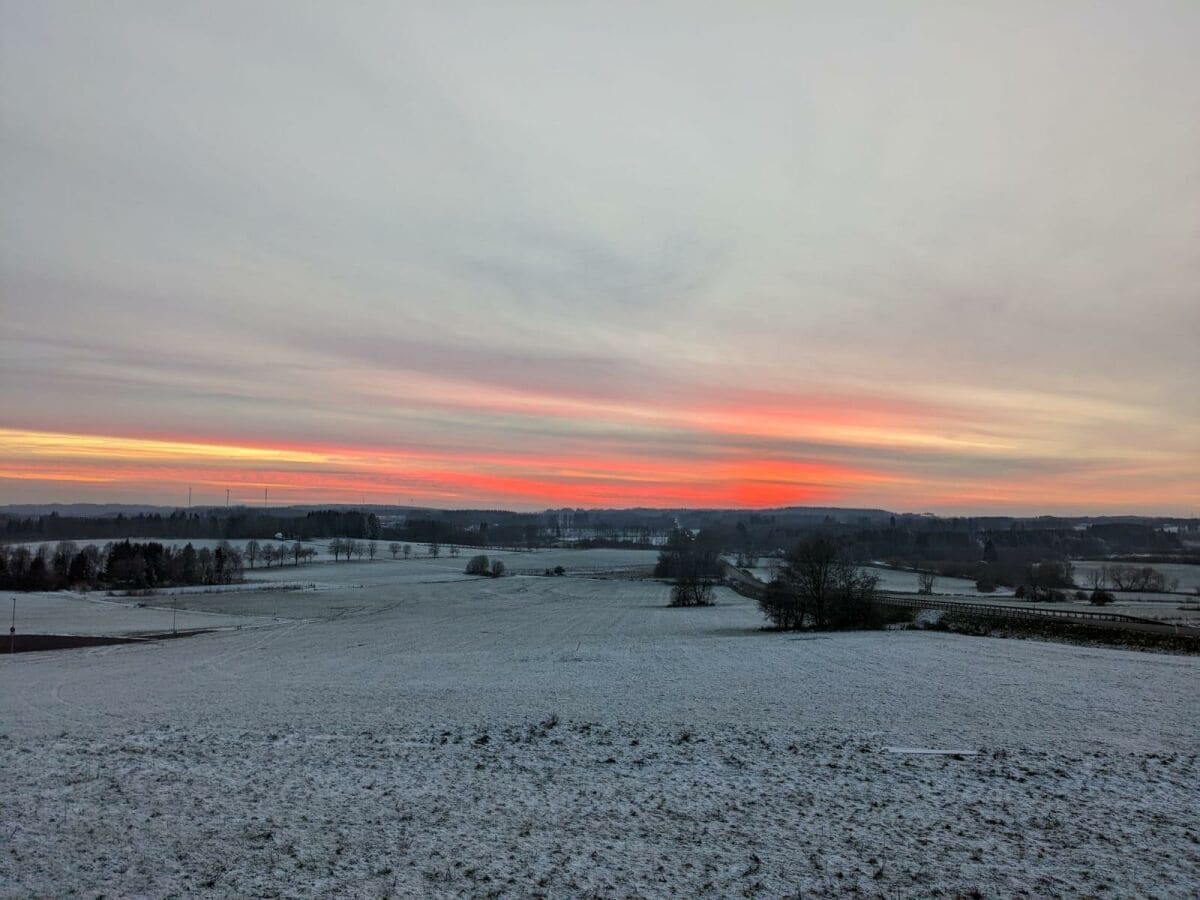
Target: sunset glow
(105,466)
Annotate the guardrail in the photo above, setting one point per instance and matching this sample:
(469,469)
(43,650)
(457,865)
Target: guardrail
(1027,614)
(1012,612)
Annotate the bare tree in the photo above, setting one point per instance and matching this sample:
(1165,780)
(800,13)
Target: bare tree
(925,582)
(783,605)
(407,550)
(63,554)
(372,549)
(251,552)
(394,548)
(435,548)
(297,551)
(693,561)
(818,586)
(1134,578)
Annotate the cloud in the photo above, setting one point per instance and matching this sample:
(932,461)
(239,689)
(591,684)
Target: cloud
(942,245)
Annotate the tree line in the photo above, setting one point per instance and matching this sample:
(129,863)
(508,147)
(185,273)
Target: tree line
(135,566)
(234,524)
(270,553)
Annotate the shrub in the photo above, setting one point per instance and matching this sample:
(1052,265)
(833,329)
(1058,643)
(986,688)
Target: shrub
(985,584)
(692,592)
(1053,574)
(1101,598)
(782,605)
(497,568)
(896,615)
(559,570)
(477,565)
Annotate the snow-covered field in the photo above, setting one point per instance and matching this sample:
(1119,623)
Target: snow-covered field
(400,738)
(906,582)
(897,581)
(63,612)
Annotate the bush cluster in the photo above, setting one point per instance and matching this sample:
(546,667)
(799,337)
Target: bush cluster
(479,565)
(819,588)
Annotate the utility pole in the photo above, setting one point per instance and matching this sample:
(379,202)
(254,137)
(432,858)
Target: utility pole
(12,630)
(189,496)
(227,498)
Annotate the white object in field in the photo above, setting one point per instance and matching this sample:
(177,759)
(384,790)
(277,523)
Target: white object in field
(928,617)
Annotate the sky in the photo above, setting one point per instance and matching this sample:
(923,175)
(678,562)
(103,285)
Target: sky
(921,256)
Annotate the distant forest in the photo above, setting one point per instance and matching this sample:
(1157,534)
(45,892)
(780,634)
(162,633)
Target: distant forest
(500,529)
(995,551)
(182,524)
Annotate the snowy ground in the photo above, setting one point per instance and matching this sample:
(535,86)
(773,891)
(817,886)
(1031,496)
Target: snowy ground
(63,612)
(897,581)
(906,582)
(398,739)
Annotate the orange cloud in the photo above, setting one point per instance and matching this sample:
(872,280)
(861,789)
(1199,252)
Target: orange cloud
(463,477)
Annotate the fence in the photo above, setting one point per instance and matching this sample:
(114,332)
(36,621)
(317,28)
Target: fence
(1027,614)
(1012,612)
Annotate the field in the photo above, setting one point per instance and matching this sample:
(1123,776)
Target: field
(399,729)
(898,581)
